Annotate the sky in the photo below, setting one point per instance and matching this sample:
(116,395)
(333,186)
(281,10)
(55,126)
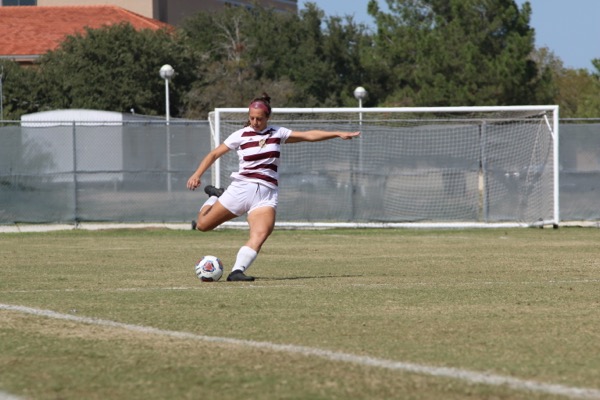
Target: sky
(569,28)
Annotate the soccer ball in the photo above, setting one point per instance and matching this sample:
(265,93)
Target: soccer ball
(209,269)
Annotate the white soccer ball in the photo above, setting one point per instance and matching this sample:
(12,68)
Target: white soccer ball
(209,269)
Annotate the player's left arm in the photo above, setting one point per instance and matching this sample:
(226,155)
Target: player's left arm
(317,136)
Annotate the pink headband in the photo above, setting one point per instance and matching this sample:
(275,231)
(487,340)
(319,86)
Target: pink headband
(261,106)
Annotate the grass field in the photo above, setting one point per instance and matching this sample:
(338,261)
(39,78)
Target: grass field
(334,314)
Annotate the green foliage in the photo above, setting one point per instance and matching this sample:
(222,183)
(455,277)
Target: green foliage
(115,68)
(292,57)
(575,91)
(578,93)
(457,52)
(423,53)
(348,46)
(20,90)
(227,74)
(590,98)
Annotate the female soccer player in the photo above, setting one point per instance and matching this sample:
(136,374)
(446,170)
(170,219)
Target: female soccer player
(254,188)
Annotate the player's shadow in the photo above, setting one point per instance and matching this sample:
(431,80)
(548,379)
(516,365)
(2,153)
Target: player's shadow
(295,278)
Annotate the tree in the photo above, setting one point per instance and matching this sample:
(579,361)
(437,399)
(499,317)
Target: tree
(115,68)
(289,56)
(457,52)
(578,93)
(548,67)
(20,90)
(322,57)
(575,91)
(424,53)
(591,100)
(228,75)
(347,47)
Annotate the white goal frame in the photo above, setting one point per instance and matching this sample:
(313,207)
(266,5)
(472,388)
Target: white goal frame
(552,124)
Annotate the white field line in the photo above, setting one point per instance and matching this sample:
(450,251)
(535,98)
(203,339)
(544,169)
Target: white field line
(8,396)
(203,286)
(258,286)
(472,377)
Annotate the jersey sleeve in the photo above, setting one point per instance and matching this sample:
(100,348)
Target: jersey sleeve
(285,134)
(233,141)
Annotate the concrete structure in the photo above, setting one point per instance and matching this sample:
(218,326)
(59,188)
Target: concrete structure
(169,11)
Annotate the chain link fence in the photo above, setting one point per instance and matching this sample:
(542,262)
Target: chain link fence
(579,157)
(134,171)
(114,172)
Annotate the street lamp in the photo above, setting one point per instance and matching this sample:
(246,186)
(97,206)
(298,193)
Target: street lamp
(360,93)
(1,93)
(167,72)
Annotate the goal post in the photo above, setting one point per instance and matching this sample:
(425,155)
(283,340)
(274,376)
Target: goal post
(412,167)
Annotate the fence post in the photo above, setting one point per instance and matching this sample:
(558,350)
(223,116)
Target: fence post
(75,197)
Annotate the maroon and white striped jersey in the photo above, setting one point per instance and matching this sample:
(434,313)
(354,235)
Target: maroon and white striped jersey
(258,153)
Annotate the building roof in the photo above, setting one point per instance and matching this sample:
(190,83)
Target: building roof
(29,31)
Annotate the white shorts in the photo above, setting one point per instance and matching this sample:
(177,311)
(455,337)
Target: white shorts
(244,197)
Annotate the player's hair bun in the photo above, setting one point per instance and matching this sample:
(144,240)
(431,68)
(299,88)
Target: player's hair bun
(266,98)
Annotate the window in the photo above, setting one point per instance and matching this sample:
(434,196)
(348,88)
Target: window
(19,2)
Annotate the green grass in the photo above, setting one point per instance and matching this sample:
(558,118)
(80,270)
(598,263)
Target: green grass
(523,303)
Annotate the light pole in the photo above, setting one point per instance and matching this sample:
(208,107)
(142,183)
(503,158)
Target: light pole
(167,72)
(1,93)
(360,93)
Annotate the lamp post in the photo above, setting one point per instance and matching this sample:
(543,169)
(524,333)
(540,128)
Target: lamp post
(1,93)
(360,93)
(166,72)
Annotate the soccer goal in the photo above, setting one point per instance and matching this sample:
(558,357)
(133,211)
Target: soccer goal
(413,167)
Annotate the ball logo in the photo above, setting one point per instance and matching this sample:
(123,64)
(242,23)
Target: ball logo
(209,267)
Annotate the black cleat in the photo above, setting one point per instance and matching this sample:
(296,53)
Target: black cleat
(193,224)
(238,276)
(210,190)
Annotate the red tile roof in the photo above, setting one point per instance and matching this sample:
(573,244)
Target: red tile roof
(33,30)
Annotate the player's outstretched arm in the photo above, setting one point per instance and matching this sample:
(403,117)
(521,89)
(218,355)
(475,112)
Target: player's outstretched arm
(316,136)
(194,180)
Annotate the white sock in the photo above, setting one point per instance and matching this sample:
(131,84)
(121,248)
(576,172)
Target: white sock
(210,202)
(245,258)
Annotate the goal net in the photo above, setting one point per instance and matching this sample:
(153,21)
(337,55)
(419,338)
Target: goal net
(430,167)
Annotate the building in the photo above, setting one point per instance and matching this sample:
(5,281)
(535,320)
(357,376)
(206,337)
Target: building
(28,32)
(168,11)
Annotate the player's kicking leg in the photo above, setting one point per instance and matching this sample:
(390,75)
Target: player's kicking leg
(212,213)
